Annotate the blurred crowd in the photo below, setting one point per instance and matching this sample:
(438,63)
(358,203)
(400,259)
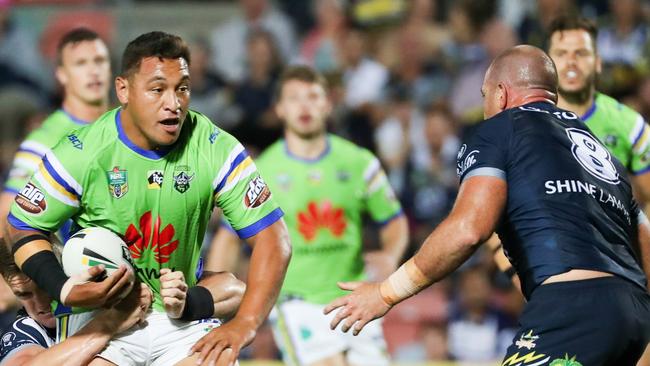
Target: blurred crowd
(405,78)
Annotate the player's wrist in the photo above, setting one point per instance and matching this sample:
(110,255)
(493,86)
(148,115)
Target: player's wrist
(199,304)
(403,283)
(45,270)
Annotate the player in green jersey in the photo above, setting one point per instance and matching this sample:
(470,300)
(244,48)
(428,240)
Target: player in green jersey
(572,46)
(324,185)
(153,171)
(84,71)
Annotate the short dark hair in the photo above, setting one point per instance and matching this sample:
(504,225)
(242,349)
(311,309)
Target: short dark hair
(573,22)
(8,268)
(153,44)
(301,73)
(73,37)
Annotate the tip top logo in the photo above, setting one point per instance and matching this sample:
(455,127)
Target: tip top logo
(31,199)
(154,179)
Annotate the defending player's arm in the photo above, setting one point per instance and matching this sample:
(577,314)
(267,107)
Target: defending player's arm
(51,197)
(643,243)
(502,262)
(639,165)
(224,288)
(81,348)
(481,199)
(384,208)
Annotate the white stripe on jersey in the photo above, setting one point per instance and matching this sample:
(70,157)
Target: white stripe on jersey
(225,168)
(371,170)
(26,163)
(53,191)
(36,146)
(232,181)
(58,167)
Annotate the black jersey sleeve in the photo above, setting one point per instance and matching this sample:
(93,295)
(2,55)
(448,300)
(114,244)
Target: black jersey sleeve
(485,150)
(23,332)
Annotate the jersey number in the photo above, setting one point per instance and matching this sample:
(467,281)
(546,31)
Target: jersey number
(593,157)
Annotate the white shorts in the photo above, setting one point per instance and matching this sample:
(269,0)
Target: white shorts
(303,334)
(160,342)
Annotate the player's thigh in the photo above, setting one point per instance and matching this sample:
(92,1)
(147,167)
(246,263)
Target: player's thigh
(334,360)
(302,333)
(98,361)
(221,361)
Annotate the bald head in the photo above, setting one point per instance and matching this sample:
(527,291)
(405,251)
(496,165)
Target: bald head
(519,75)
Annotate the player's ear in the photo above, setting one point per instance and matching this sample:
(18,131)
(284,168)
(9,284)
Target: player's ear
(122,89)
(502,96)
(61,77)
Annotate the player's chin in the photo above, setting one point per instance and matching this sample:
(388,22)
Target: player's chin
(47,320)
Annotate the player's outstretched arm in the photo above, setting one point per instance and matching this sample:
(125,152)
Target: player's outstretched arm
(81,348)
(502,261)
(34,256)
(224,251)
(394,237)
(644,244)
(225,292)
(268,265)
(478,207)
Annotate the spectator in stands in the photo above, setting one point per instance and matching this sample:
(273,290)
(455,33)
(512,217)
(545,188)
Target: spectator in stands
(321,47)
(533,28)
(229,40)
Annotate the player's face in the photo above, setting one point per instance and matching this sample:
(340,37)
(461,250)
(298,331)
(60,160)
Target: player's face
(35,300)
(304,107)
(157,97)
(85,71)
(575,59)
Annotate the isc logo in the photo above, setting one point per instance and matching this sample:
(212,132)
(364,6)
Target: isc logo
(31,199)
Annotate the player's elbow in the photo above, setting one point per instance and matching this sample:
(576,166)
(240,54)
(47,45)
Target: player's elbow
(472,234)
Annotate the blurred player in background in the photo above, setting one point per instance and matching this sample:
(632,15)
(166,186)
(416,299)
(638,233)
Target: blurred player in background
(84,72)
(565,212)
(324,184)
(152,171)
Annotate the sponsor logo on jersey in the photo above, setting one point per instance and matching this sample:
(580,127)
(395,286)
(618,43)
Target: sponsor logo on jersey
(467,162)
(143,238)
(343,175)
(592,156)
(31,199)
(323,216)
(611,140)
(566,361)
(117,182)
(75,141)
(314,177)
(7,339)
(527,341)
(182,178)
(284,181)
(258,192)
(154,179)
(213,135)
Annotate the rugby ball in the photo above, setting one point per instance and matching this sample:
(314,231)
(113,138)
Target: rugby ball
(93,246)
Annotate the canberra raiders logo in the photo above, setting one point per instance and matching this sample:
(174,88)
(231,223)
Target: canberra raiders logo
(182,178)
(117,182)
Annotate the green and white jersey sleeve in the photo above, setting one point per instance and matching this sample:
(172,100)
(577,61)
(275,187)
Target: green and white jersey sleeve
(380,200)
(38,142)
(623,131)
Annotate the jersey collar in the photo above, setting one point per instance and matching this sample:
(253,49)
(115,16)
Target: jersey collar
(589,111)
(74,119)
(151,154)
(308,161)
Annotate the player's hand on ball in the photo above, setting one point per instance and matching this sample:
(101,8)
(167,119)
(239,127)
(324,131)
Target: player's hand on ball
(173,290)
(358,308)
(222,345)
(79,290)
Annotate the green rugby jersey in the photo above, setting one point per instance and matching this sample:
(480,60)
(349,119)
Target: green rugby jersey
(623,131)
(324,201)
(159,201)
(37,143)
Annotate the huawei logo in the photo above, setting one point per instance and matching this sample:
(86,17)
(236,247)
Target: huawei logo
(322,216)
(160,242)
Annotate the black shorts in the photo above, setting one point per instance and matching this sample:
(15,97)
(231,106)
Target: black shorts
(595,322)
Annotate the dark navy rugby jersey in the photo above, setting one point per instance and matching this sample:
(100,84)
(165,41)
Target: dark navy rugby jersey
(24,331)
(569,202)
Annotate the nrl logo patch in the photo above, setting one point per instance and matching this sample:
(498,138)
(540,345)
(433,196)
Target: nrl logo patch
(117,182)
(182,178)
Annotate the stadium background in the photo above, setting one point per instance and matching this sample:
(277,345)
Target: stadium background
(405,79)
